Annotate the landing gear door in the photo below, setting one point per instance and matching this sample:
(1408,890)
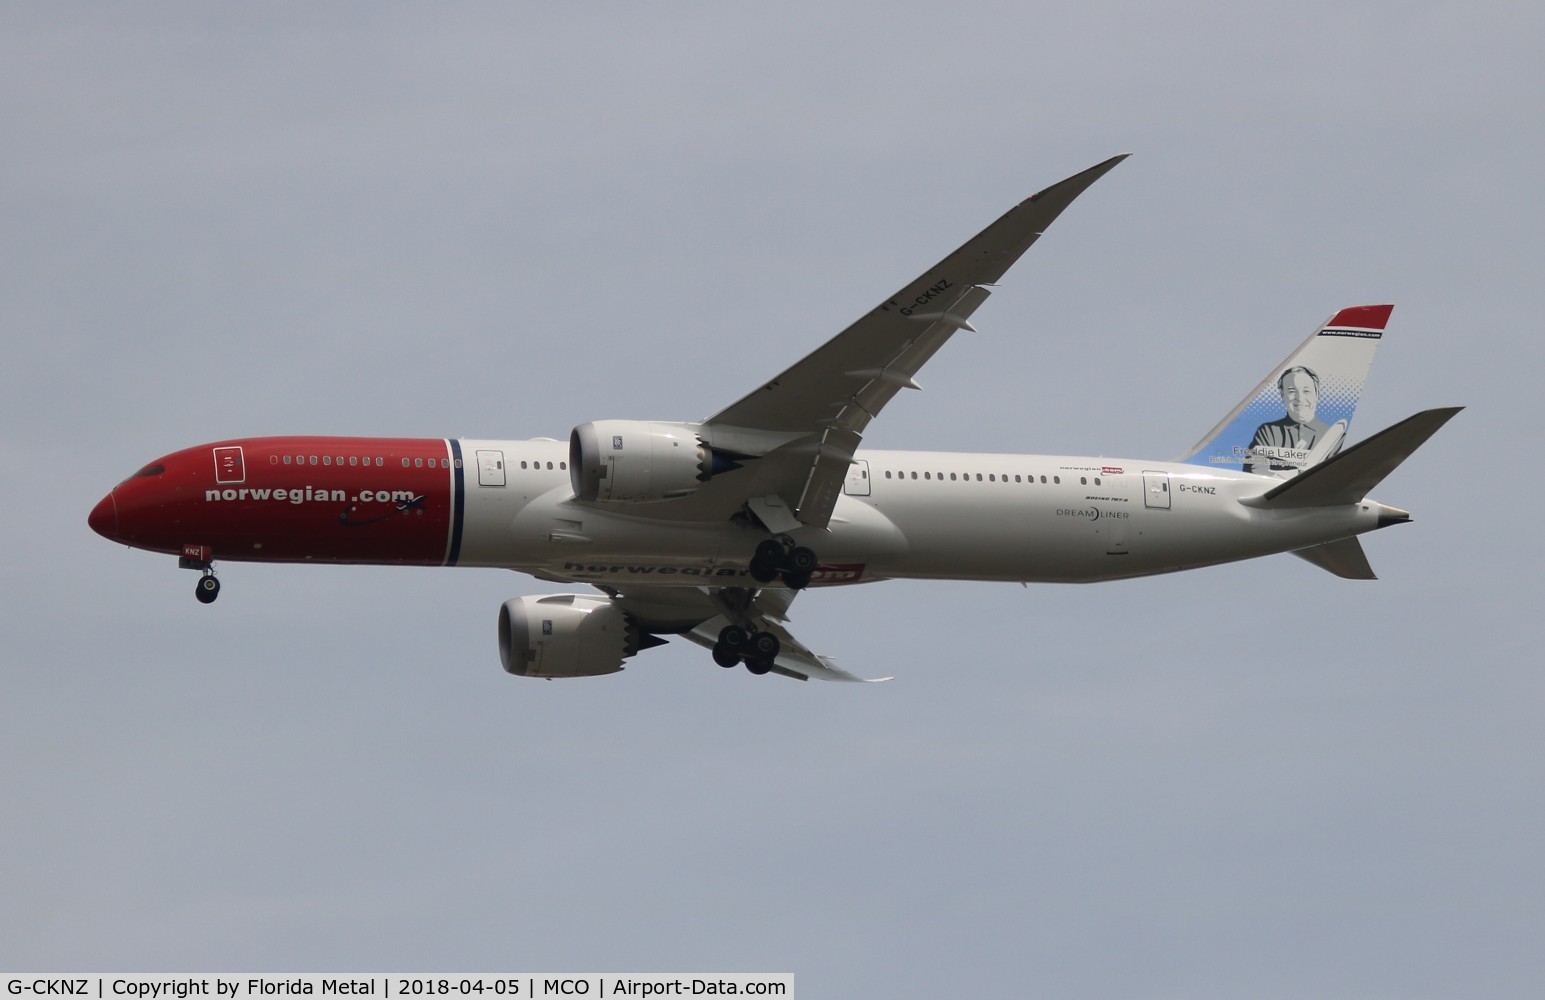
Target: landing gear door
(857,483)
(1156,490)
(490,468)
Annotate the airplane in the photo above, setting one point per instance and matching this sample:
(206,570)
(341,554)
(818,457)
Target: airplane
(709,530)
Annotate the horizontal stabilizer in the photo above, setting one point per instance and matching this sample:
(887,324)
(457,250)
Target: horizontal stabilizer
(1343,557)
(1348,477)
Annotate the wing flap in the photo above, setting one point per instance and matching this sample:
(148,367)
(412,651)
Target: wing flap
(827,474)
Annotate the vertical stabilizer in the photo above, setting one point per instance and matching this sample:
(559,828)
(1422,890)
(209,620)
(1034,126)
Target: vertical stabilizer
(1299,414)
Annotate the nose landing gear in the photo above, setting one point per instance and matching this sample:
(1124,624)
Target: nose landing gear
(201,558)
(207,588)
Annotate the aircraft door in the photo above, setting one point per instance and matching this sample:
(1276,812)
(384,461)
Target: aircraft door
(1156,490)
(490,468)
(857,483)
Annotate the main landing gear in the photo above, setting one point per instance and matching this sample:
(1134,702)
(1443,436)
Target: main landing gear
(780,556)
(736,644)
(742,643)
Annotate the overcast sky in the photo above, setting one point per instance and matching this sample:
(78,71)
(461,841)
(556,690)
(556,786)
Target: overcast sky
(501,220)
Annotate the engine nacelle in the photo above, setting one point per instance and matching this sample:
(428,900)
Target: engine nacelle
(636,461)
(566,635)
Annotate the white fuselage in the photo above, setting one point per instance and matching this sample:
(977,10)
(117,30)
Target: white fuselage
(905,514)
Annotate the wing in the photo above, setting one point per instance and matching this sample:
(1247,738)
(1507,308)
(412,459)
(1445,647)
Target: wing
(699,613)
(822,404)
(783,451)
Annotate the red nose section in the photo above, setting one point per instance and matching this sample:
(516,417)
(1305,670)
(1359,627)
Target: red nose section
(104,518)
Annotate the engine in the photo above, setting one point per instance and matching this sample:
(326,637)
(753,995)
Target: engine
(567,635)
(635,461)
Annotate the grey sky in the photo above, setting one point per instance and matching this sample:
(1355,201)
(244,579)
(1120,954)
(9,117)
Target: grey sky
(502,220)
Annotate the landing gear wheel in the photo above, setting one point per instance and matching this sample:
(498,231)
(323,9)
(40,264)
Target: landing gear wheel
(734,638)
(795,580)
(764,646)
(724,656)
(763,572)
(799,560)
(769,551)
(207,589)
(761,652)
(767,560)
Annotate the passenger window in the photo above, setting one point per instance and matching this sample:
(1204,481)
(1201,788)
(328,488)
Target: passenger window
(952,477)
(404,463)
(914,475)
(286,460)
(1083,480)
(927,475)
(327,460)
(1096,480)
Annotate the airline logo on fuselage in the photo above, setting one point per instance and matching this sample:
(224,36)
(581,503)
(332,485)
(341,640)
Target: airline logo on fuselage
(309,494)
(363,508)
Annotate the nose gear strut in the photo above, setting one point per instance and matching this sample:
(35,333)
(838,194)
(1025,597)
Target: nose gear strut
(200,557)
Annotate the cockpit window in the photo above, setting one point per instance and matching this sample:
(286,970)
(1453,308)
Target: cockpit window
(154,469)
